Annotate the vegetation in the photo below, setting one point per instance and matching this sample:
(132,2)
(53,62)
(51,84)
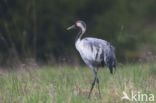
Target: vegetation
(71,85)
(37,28)
(33,32)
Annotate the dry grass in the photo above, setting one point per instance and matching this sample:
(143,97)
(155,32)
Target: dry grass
(72,85)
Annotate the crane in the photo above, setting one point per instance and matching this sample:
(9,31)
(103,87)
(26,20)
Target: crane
(94,52)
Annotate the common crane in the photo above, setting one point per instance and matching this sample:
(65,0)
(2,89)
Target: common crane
(94,52)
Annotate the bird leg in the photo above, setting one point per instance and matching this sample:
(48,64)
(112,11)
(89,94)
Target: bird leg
(93,83)
(97,80)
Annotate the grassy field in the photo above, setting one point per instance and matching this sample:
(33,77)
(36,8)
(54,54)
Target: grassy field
(72,85)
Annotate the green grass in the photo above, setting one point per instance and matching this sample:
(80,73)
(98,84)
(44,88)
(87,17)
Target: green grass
(72,85)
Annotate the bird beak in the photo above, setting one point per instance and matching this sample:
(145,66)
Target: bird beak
(71,27)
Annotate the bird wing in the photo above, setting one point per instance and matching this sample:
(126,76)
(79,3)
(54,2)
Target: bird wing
(93,49)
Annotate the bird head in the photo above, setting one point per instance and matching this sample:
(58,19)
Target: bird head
(78,24)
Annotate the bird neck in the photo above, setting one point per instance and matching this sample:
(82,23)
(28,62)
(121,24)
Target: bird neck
(81,32)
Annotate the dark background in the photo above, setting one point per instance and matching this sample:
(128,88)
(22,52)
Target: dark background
(36,29)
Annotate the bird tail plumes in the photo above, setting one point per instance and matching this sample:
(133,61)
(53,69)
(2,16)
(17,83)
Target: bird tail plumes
(111,59)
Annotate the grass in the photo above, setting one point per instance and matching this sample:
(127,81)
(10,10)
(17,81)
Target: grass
(72,85)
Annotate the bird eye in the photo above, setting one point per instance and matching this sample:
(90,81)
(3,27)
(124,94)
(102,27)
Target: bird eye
(78,24)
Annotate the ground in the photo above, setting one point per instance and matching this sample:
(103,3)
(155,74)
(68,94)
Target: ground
(72,84)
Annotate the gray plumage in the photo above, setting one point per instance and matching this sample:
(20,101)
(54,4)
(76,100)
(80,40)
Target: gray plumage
(94,52)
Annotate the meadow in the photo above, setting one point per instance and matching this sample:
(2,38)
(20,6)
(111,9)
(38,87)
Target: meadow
(66,84)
